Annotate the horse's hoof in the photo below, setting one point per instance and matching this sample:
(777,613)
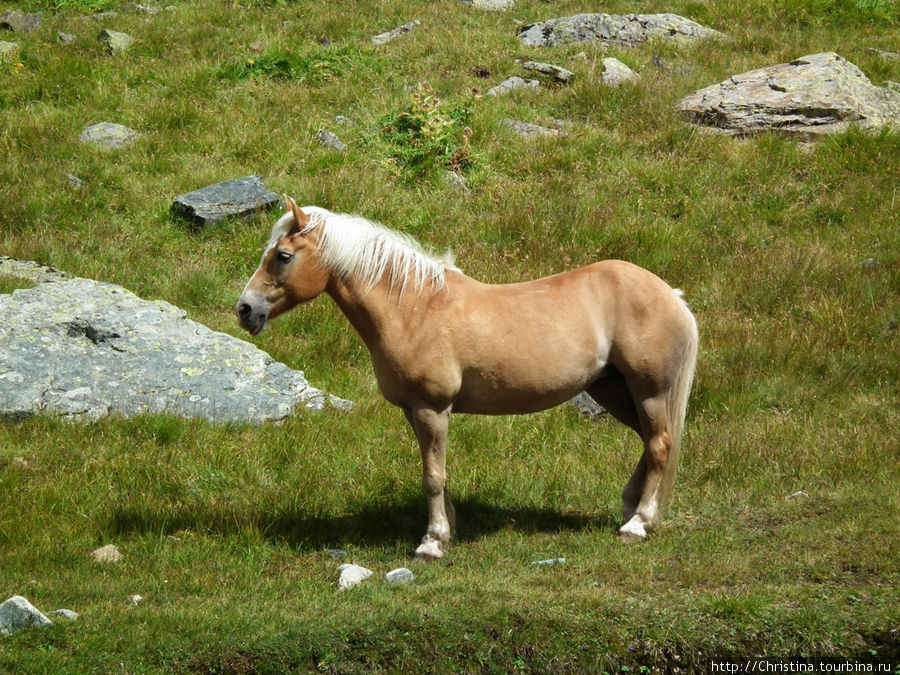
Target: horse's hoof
(429,551)
(631,531)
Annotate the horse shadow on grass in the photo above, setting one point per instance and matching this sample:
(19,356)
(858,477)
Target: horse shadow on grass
(398,522)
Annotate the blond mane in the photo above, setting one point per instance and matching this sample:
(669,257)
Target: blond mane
(353,247)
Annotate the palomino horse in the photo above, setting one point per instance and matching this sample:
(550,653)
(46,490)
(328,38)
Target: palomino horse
(441,342)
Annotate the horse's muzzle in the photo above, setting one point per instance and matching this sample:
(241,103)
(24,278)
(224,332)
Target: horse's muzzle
(253,321)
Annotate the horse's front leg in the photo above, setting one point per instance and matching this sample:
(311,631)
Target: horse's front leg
(430,427)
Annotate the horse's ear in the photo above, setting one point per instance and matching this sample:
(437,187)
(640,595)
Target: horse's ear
(301,220)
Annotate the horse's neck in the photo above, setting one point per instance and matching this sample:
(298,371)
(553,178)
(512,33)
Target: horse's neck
(372,312)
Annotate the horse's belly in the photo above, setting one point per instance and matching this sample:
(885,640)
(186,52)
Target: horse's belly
(515,391)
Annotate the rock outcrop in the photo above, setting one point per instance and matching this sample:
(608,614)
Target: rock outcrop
(84,350)
(625,30)
(816,94)
(238,198)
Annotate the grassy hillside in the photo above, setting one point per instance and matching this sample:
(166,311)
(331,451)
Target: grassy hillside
(787,251)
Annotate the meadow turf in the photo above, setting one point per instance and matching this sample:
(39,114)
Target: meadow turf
(788,253)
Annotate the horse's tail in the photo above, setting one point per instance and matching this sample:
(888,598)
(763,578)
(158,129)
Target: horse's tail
(676,407)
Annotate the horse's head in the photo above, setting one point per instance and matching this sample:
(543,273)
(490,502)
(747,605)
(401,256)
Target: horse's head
(288,273)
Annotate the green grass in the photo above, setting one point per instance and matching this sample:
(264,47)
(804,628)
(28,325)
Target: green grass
(788,254)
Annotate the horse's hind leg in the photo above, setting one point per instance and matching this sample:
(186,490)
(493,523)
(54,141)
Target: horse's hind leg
(611,391)
(640,497)
(430,427)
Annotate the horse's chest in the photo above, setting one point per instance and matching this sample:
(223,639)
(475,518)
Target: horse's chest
(407,379)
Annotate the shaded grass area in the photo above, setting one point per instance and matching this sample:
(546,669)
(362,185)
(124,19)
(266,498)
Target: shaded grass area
(787,253)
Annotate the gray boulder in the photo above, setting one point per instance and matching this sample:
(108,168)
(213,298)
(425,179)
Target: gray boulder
(491,5)
(328,139)
(108,135)
(554,72)
(613,29)
(530,131)
(615,72)
(511,84)
(383,38)
(817,94)
(19,22)
(84,350)
(239,198)
(115,42)
(587,406)
(17,614)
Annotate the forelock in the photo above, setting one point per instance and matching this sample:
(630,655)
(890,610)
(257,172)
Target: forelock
(281,229)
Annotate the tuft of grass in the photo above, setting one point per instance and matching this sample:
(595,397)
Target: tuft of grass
(314,67)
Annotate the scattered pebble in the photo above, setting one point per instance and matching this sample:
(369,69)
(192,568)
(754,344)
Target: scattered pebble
(74,181)
(329,140)
(530,131)
(115,42)
(454,179)
(351,575)
(511,84)
(108,135)
(401,575)
(107,554)
(135,599)
(615,72)
(551,561)
(7,49)
(557,73)
(799,493)
(382,38)
(65,613)
(491,5)
(142,9)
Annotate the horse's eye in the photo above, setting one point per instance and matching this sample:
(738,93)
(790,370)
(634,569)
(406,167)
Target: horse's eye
(284,256)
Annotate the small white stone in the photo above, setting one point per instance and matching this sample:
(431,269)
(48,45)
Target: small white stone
(65,613)
(351,575)
(106,554)
(401,575)
(135,599)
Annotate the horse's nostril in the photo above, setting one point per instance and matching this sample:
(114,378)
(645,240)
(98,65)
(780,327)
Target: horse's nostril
(244,310)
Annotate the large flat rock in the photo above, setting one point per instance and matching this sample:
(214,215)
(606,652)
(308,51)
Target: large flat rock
(85,350)
(625,30)
(816,94)
(239,198)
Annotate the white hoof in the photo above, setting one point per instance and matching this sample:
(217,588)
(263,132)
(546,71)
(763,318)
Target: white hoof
(428,551)
(633,530)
